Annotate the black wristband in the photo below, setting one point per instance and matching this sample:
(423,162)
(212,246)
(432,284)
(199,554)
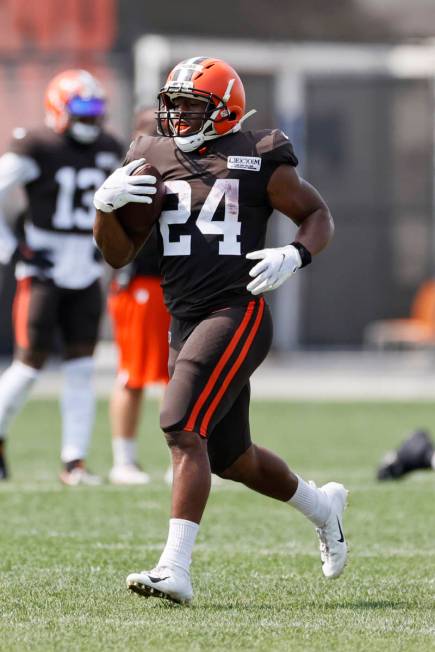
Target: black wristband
(303,252)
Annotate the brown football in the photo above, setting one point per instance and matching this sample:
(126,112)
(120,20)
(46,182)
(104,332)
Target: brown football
(138,219)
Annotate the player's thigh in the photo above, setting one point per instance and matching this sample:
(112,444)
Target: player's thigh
(232,436)
(213,365)
(35,317)
(79,319)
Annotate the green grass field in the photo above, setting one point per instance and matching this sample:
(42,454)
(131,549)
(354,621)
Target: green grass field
(256,571)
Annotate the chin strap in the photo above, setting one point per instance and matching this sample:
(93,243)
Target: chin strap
(190,143)
(246,116)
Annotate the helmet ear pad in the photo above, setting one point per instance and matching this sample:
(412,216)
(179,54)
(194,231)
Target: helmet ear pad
(223,126)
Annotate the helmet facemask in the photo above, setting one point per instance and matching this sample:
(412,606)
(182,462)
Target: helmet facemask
(84,132)
(170,118)
(86,117)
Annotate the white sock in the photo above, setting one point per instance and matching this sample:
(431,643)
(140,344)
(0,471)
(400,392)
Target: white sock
(77,407)
(179,546)
(433,461)
(124,451)
(15,385)
(312,502)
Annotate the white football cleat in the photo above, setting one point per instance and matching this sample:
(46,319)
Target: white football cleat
(333,546)
(128,474)
(162,582)
(79,476)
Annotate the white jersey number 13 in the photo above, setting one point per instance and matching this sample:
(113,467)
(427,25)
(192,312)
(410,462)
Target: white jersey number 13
(85,181)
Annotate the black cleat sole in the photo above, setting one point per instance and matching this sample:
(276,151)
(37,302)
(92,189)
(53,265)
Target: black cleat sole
(151,592)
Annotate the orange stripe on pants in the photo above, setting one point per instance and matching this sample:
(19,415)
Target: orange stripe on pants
(234,369)
(219,367)
(21,312)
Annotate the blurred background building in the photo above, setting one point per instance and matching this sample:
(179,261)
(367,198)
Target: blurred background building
(350,81)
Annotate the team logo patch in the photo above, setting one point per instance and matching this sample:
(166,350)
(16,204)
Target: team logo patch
(251,163)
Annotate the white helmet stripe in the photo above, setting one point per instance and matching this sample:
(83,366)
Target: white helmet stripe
(183,74)
(194,60)
(227,94)
(185,70)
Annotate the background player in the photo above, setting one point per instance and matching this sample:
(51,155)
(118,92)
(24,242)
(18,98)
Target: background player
(222,185)
(58,267)
(140,326)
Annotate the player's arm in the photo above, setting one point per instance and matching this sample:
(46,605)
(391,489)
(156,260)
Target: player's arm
(301,202)
(120,188)
(15,171)
(118,249)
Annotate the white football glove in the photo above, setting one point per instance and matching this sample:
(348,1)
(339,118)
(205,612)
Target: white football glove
(276,266)
(122,188)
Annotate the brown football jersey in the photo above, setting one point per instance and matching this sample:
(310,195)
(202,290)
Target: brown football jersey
(146,262)
(60,177)
(61,197)
(215,211)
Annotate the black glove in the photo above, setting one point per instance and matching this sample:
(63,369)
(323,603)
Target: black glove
(37,257)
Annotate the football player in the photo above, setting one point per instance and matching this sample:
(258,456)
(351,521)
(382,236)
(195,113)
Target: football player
(140,324)
(58,268)
(222,185)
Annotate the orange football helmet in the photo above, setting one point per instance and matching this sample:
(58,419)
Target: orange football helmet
(208,79)
(73,94)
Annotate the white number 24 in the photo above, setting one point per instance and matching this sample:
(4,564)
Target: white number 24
(229,227)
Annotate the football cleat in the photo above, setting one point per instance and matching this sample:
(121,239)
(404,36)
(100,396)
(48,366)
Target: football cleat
(79,475)
(416,452)
(162,582)
(333,546)
(3,466)
(128,474)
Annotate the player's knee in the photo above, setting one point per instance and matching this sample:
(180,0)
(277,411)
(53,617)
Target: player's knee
(182,440)
(172,419)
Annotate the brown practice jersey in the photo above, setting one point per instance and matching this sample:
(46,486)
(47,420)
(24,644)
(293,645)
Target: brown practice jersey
(215,211)
(60,198)
(146,262)
(59,177)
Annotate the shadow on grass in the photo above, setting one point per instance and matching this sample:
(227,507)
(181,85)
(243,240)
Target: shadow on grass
(362,605)
(367,604)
